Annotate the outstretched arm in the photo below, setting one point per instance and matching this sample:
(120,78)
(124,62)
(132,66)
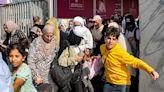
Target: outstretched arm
(154,75)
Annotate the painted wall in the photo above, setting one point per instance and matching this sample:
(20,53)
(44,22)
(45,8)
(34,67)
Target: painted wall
(111,7)
(152,43)
(131,6)
(72,8)
(105,8)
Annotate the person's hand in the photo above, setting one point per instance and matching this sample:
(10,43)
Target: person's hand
(154,75)
(2,45)
(1,42)
(98,56)
(78,58)
(38,80)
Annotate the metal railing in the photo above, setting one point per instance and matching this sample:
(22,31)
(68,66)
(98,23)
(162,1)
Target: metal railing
(22,13)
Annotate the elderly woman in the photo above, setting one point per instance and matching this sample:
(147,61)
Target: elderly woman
(41,53)
(53,21)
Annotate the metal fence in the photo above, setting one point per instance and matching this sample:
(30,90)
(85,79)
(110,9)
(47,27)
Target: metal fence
(22,13)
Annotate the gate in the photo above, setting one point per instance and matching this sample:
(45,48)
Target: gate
(22,13)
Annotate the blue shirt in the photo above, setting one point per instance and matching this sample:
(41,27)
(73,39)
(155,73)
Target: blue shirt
(5,77)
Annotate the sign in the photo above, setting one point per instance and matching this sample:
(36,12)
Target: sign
(73,8)
(76,4)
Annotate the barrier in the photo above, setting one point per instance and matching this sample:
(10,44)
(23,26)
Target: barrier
(22,13)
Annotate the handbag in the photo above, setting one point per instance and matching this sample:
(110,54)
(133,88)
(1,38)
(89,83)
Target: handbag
(44,87)
(60,75)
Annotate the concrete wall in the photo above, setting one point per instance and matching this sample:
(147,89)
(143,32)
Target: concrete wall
(152,43)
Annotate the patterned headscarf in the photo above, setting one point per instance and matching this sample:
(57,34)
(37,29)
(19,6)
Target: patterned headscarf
(11,25)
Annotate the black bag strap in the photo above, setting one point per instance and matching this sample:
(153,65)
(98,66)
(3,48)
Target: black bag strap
(68,44)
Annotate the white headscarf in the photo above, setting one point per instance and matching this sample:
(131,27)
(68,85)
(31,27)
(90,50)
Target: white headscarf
(85,33)
(80,31)
(79,19)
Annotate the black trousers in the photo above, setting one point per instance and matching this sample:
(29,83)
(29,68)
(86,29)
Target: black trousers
(97,83)
(78,87)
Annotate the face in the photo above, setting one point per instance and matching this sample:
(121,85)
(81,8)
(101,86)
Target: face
(48,36)
(40,21)
(61,28)
(96,22)
(77,23)
(6,29)
(71,24)
(87,52)
(111,42)
(16,58)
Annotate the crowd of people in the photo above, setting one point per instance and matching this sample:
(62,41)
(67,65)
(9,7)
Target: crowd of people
(102,55)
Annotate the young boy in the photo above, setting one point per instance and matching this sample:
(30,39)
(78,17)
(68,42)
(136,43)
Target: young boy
(116,64)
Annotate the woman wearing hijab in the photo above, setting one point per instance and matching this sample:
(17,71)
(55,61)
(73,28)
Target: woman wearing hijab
(13,35)
(41,53)
(53,21)
(80,30)
(10,27)
(79,39)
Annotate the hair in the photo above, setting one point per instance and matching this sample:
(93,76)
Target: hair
(25,43)
(19,47)
(36,19)
(112,31)
(131,18)
(130,21)
(116,18)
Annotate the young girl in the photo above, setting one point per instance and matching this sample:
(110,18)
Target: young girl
(21,73)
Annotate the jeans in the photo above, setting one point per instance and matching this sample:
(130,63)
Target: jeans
(108,87)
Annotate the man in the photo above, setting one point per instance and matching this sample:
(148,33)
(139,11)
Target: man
(116,61)
(98,34)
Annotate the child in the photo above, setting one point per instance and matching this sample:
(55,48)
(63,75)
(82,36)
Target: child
(86,70)
(21,73)
(94,63)
(116,64)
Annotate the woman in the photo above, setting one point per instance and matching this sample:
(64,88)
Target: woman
(10,27)
(13,35)
(53,21)
(41,53)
